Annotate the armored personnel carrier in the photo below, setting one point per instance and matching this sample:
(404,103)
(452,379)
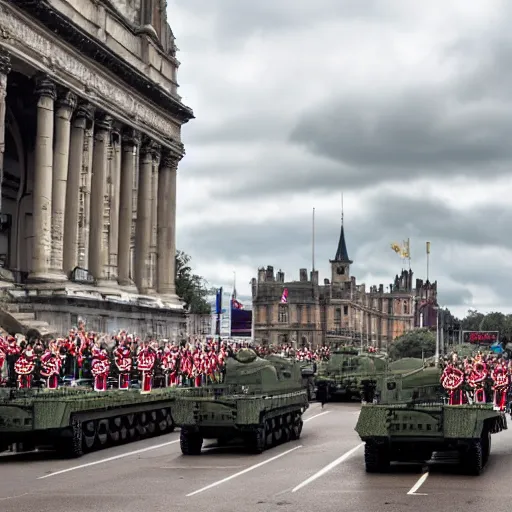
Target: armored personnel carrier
(343,374)
(75,420)
(261,401)
(411,421)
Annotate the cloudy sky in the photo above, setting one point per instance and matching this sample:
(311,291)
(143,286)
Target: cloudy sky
(405,107)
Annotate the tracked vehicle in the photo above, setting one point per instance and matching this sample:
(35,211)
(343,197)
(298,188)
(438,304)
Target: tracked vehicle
(75,421)
(343,375)
(412,423)
(261,402)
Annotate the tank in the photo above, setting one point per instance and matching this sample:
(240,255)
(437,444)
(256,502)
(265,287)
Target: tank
(75,421)
(347,371)
(260,402)
(412,423)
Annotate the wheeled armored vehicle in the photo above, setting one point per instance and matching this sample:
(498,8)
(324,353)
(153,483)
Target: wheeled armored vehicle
(261,402)
(78,420)
(411,422)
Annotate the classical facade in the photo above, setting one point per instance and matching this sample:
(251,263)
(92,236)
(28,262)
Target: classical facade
(339,311)
(90,140)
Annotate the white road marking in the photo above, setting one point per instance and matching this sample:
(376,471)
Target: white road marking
(316,416)
(14,497)
(108,459)
(251,468)
(421,480)
(328,468)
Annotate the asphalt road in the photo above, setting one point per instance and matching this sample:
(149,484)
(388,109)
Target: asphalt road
(323,471)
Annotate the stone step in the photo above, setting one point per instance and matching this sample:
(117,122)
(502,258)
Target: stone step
(23,317)
(36,324)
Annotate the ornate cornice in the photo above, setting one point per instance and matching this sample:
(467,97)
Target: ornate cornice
(45,87)
(97,51)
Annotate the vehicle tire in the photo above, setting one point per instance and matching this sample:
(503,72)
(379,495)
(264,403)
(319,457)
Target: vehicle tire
(486,446)
(472,460)
(190,442)
(376,458)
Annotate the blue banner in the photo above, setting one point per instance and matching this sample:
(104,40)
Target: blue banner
(218,301)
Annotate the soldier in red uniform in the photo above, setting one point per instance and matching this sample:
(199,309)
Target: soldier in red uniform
(24,368)
(100,367)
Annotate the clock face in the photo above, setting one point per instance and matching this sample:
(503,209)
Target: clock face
(340,270)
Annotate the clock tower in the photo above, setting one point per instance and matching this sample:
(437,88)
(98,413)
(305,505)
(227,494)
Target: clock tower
(340,265)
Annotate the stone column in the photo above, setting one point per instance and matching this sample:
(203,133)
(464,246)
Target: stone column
(154,213)
(166,237)
(115,179)
(65,106)
(143,224)
(43,179)
(103,125)
(83,114)
(130,141)
(5,68)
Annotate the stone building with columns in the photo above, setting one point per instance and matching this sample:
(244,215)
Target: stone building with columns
(90,141)
(339,311)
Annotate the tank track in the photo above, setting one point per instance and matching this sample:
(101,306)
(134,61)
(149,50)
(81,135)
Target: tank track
(86,435)
(272,431)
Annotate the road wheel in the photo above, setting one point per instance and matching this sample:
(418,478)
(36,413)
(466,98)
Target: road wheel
(190,442)
(376,458)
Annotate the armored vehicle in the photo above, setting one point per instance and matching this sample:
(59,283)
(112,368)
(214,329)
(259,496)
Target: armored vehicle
(261,402)
(343,374)
(78,420)
(411,421)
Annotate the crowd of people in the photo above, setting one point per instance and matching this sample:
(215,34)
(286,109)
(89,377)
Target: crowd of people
(479,379)
(123,360)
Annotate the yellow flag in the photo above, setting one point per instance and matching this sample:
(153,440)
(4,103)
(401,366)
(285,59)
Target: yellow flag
(428,247)
(395,247)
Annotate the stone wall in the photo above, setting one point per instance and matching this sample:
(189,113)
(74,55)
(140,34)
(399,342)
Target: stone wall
(109,317)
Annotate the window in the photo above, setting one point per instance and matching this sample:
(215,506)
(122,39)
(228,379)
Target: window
(345,310)
(283,314)
(299,314)
(337,317)
(308,313)
(406,308)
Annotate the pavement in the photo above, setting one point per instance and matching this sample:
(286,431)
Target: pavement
(323,471)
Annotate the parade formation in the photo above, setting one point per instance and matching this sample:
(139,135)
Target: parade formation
(123,360)
(479,379)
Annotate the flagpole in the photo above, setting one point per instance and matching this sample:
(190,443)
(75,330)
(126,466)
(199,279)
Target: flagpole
(428,258)
(409,252)
(313,243)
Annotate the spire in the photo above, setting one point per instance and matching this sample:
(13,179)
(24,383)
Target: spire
(341,252)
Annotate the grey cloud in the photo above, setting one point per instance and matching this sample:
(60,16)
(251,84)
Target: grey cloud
(455,297)
(233,20)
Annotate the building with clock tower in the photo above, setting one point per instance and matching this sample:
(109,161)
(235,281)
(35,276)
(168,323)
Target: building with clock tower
(340,311)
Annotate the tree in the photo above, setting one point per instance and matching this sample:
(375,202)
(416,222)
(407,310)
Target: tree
(191,288)
(418,343)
